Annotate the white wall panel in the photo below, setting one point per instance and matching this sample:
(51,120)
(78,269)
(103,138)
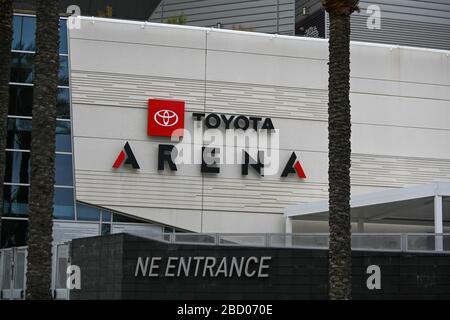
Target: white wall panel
(400,113)
(267,70)
(138,33)
(400,89)
(400,64)
(247,42)
(133,59)
(400,141)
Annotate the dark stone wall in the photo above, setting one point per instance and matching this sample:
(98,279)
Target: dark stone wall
(100,261)
(108,265)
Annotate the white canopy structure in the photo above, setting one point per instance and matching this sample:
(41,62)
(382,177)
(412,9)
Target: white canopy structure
(427,204)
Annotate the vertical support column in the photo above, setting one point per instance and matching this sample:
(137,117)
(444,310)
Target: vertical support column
(288,225)
(288,231)
(54,269)
(1,270)
(438,223)
(361,226)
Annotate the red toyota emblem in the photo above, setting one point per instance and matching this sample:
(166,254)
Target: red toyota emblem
(165,118)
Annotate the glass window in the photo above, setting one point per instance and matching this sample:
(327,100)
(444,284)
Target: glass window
(27,41)
(24,29)
(106,228)
(63,138)
(14,233)
(106,216)
(64,171)
(87,213)
(63,204)
(19,134)
(63,73)
(17,168)
(20,100)
(168,230)
(63,104)
(17,30)
(22,67)
(15,201)
(122,218)
(63,36)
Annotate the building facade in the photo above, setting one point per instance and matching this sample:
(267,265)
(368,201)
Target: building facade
(400,111)
(16,189)
(423,23)
(111,68)
(72,219)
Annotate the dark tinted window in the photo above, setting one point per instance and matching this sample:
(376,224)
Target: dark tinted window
(63,204)
(168,230)
(87,213)
(63,139)
(20,100)
(17,167)
(19,134)
(14,233)
(17,29)
(63,36)
(24,29)
(106,215)
(63,71)
(64,173)
(122,218)
(15,201)
(27,42)
(22,67)
(63,104)
(106,228)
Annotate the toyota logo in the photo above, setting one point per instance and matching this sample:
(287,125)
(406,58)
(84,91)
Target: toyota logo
(166,118)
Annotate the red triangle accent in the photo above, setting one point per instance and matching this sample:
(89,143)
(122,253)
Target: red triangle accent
(119,160)
(299,169)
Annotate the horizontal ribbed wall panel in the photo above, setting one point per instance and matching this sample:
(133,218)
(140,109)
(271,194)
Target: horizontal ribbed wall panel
(122,90)
(401,32)
(271,16)
(258,195)
(417,23)
(250,195)
(138,189)
(384,171)
(266,101)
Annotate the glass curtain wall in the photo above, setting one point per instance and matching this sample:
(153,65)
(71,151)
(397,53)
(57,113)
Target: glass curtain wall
(17,171)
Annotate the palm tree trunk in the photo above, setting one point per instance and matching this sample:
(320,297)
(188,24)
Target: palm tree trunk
(6,13)
(339,132)
(43,151)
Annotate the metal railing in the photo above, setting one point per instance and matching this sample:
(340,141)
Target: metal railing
(13,261)
(13,270)
(397,242)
